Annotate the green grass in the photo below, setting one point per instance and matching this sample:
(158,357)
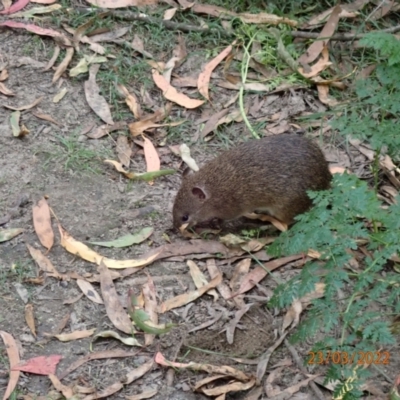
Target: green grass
(76,156)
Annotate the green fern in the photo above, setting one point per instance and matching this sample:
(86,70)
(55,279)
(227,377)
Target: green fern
(340,218)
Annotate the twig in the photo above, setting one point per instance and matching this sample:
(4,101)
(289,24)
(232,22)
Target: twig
(132,16)
(301,367)
(340,36)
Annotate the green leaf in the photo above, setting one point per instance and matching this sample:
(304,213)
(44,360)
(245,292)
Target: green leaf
(128,240)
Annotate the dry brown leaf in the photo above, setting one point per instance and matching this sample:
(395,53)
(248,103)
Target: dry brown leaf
(42,223)
(131,101)
(114,309)
(199,278)
(53,58)
(44,263)
(348,11)
(318,45)
(76,335)
(212,123)
(210,369)
(43,1)
(318,67)
(97,102)
(214,271)
(323,95)
(259,273)
(185,4)
(204,77)
(30,319)
(170,93)
(27,107)
(151,156)
(99,355)
(89,291)
(65,390)
(150,306)
(169,14)
(264,18)
(186,298)
(64,64)
(46,117)
(137,45)
(147,394)
(230,330)
(5,90)
(106,392)
(3,75)
(230,387)
(124,150)
(185,81)
(121,4)
(13,359)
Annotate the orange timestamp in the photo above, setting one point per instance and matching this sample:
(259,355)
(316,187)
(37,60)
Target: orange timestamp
(344,357)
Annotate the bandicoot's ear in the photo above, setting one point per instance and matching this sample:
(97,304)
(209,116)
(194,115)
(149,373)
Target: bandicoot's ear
(199,193)
(187,172)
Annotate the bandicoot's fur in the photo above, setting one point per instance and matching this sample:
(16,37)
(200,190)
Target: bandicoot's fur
(271,175)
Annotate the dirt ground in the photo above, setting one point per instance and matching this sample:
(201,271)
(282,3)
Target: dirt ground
(93,202)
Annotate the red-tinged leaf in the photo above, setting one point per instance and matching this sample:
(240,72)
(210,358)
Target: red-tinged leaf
(170,93)
(42,365)
(151,155)
(204,77)
(38,30)
(19,5)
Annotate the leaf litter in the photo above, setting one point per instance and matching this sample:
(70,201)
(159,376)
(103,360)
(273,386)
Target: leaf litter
(243,278)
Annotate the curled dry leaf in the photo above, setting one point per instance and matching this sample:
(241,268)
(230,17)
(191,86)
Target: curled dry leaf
(318,67)
(78,248)
(5,90)
(186,158)
(64,64)
(67,392)
(170,93)
(204,78)
(42,223)
(97,102)
(210,369)
(53,58)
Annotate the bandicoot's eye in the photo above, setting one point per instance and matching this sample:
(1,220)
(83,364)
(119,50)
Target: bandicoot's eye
(185,218)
